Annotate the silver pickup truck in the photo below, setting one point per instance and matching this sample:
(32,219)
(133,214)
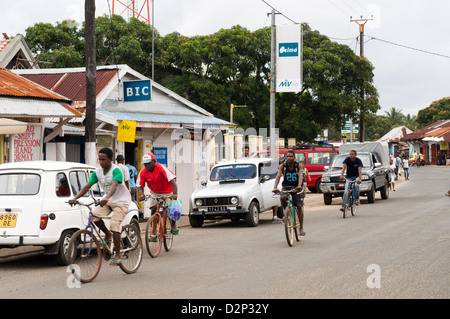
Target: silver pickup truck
(375,174)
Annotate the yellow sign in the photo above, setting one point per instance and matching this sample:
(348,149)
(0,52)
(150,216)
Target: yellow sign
(126,131)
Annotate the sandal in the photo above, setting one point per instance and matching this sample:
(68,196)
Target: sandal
(302,233)
(114,262)
(174,231)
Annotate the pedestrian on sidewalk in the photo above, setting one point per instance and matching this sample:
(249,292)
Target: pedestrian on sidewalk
(392,175)
(405,165)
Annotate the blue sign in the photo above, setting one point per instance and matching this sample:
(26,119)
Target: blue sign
(137,91)
(160,155)
(288,49)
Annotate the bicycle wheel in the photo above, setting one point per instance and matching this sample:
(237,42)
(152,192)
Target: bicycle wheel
(153,235)
(296,224)
(353,207)
(131,252)
(168,236)
(347,200)
(288,225)
(85,256)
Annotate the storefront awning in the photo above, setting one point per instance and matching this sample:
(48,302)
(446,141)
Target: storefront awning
(26,107)
(162,120)
(9,126)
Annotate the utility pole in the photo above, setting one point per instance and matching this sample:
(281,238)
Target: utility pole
(89,121)
(361,22)
(272,86)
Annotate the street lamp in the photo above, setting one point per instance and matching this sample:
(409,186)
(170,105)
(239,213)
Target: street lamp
(232,106)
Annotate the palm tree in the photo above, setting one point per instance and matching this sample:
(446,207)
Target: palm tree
(395,116)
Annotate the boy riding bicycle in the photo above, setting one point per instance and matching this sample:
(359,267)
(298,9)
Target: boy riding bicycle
(292,173)
(116,200)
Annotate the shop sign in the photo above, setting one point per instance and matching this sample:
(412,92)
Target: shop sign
(126,131)
(28,145)
(137,91)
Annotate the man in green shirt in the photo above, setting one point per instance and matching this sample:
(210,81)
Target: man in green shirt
(116,200)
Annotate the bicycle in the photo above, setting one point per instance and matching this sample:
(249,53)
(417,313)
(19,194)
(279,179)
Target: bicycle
(350,202)
(291,218)
(87,247)
(154,237)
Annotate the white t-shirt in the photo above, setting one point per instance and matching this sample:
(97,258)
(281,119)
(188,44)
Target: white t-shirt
(122,194)
(405,163)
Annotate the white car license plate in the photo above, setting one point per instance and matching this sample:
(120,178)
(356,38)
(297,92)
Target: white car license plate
(8,220)
(217,209)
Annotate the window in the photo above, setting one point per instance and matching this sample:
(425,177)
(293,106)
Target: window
(62,185)
(19,184)
(270,169)
(320,158)
(235,171)
(77,180)
(300,157)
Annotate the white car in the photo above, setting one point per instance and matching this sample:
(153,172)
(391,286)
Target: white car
(34,208)
(238,189)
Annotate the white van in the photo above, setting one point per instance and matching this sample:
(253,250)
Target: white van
(34,208)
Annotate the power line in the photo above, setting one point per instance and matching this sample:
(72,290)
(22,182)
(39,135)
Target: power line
(410,48)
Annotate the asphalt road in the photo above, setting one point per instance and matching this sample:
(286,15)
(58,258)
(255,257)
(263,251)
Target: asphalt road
(395,248)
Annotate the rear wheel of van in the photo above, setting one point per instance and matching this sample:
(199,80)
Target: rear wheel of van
(62,257)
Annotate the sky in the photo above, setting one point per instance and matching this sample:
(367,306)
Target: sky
(407,41)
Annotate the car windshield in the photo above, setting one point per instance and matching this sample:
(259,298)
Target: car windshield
(233,171)
(19,184)
(339,159)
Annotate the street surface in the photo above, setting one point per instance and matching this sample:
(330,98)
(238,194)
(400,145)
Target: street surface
(395,248)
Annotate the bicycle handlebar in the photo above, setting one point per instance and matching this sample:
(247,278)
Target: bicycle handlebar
(289,191)
(77,202)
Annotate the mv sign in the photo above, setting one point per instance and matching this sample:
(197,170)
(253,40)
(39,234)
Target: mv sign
(137,91)
(288,59)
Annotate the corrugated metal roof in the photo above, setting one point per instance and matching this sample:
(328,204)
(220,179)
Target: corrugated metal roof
(72,84)
(419,134)
(164,118)
(12,84)
(25,107)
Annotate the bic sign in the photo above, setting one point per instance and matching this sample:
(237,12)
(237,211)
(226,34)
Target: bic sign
(288,49)
(137,91)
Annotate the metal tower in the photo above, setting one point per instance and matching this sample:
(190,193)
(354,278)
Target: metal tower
(132,9)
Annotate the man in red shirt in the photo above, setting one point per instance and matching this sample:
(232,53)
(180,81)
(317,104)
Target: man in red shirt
(161,182)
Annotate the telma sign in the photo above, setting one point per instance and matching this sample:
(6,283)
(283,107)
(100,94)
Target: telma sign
(288,49)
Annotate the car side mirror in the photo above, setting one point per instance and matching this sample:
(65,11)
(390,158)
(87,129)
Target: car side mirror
(203,183)
(265,178)
(326,168)
(377,165)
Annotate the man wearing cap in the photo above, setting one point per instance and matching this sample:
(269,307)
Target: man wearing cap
(161,182)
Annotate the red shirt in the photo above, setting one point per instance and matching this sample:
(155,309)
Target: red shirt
(159,180)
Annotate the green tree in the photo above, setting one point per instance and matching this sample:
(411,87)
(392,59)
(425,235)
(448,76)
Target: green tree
(61,45)
(438,110)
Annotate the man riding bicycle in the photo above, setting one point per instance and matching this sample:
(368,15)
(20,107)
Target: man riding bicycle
(161,182)
(353,165)
(292,173)
(117,199)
